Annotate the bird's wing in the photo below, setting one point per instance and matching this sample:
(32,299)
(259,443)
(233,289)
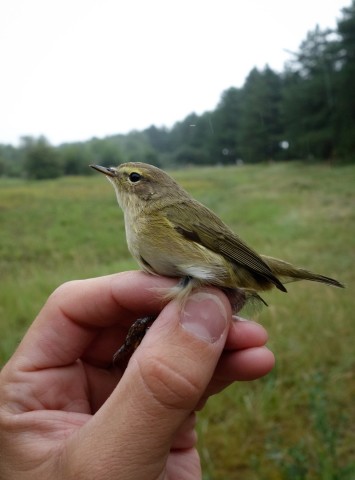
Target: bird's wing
(199,224)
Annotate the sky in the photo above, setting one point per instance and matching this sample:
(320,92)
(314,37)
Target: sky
(75,69)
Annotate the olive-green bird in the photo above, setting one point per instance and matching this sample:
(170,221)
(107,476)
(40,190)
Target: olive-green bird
(169,233)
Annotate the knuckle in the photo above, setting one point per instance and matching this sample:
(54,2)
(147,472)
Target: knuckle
(64,289)
(170,384)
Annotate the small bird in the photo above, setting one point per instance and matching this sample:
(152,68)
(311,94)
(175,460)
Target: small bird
(169,233)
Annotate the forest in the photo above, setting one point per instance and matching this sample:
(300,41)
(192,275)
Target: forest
(306,112)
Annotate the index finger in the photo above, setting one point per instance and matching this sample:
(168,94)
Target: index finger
(79,310)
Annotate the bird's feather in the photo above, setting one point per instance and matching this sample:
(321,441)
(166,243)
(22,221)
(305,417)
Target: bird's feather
(218,238)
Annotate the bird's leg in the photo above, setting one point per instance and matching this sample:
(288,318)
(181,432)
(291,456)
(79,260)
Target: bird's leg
(139,328)
(133,339)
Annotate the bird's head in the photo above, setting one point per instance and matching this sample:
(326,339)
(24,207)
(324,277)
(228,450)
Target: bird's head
(137,183)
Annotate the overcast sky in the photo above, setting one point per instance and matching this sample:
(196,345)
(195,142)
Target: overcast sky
(74,69)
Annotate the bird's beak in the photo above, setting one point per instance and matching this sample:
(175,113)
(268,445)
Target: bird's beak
(111,172)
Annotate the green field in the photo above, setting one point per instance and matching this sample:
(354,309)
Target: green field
(298,422)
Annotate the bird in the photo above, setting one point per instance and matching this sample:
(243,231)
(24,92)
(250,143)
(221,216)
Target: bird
(170,233)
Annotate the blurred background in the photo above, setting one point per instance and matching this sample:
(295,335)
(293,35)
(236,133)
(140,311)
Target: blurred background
(251,106)
(174,83)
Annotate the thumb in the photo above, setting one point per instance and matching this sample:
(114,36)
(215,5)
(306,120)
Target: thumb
(163,383)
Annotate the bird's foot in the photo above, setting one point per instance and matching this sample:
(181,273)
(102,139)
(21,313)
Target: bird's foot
(134,337)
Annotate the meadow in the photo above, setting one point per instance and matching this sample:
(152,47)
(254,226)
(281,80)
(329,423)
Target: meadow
(297,423)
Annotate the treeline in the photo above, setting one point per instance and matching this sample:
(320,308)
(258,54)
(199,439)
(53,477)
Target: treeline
(306,112)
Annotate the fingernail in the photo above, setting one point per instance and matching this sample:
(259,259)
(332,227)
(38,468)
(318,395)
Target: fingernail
(205,316)
(240,319)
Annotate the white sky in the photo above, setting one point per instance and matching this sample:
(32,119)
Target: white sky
(74,69)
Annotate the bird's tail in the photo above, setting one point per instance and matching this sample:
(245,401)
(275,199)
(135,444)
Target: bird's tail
(290,273)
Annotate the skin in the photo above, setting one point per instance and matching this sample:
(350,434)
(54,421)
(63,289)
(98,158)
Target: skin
(65,412)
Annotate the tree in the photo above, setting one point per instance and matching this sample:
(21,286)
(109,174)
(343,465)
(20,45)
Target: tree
(159,138)
(41,159)
(225,124)
(309,97)
(345,115)
(75,158)
(2,167)
(11,160)
(260,129)
(189,140)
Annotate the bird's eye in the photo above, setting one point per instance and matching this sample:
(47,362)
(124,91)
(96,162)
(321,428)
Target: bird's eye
(134,177)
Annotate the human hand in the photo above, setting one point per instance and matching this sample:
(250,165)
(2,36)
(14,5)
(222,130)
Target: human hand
(67,413)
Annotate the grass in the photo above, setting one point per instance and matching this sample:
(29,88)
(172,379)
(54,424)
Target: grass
(296,423)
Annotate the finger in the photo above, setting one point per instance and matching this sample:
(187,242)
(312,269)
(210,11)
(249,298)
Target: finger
(241,359)
(77,311)
(162,384)
(186,436)
(243,365)
(247,364)
(245,334)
